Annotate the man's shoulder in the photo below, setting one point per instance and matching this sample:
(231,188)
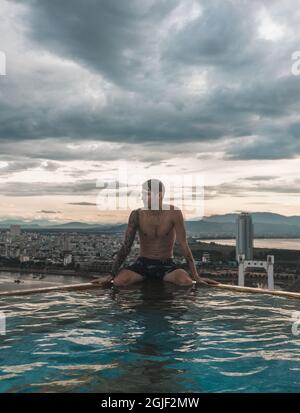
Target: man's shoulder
(174,213)
(169,207)
(135,211)
(134,216)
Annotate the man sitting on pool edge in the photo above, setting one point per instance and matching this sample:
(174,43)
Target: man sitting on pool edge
(158,226)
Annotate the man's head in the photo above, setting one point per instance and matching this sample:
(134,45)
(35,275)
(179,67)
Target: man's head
(153,191)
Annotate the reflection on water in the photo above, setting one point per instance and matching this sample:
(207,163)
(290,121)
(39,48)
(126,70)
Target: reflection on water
(149,338)
(10,281)
(156,337)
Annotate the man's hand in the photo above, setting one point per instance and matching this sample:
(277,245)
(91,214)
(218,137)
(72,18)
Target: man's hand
(205,281)
(103,281)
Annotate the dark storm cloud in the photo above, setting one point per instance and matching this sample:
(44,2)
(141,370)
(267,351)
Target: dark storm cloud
(51,166)
(24,164)
(20,189)
(110,36)
(48,212)
(79,187)
(19,166)
(241,188)
(284,147)
(223,36)
(63,150)
(147,53)
(82,203)
(260,178)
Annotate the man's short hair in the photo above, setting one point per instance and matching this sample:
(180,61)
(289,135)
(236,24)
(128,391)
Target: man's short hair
(154,185)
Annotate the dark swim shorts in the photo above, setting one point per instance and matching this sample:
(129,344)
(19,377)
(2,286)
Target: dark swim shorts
(152,268)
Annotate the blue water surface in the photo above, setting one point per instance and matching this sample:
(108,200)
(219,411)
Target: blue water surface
(151,338)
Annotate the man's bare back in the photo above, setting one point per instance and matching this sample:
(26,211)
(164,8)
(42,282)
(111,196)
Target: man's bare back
(158,226)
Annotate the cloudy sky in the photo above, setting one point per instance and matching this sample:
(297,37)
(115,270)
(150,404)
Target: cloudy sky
(160,87)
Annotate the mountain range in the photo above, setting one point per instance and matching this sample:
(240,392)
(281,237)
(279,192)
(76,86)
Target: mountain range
(266,224)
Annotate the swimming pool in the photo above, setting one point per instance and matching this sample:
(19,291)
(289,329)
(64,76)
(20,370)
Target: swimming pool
(152,338)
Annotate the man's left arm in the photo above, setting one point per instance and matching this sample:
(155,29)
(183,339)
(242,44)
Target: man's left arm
(186,251)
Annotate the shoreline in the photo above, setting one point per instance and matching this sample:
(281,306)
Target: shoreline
(71,273)
(284,244)
(257,237)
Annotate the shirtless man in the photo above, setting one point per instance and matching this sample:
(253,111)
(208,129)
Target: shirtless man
(158,226)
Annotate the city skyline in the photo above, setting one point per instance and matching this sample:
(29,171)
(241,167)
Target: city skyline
(194,96)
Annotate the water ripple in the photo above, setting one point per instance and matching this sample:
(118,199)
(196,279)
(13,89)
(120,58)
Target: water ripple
(155,339)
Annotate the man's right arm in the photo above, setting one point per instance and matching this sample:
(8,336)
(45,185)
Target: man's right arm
(127,243)
(123,251)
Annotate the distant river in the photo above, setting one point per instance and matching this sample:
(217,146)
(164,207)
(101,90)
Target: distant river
(280,243)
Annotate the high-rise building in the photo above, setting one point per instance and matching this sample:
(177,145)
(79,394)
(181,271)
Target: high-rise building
(66,243)
(244,236)
(15,231)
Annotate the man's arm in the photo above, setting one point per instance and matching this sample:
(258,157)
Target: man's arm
(127,243)
(123,251)
(186,251)
(181,238)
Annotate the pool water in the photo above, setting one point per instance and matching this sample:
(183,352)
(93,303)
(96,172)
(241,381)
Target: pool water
(151,338)
(19,281)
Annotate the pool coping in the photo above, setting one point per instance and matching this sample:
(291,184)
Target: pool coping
(87,286)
